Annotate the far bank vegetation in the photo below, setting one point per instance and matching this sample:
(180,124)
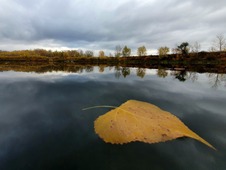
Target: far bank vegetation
(183,52)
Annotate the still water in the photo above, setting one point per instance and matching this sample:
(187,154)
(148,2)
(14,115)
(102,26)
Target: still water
(43,126)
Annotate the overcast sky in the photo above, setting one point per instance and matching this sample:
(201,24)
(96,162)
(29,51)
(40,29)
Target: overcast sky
(103,24)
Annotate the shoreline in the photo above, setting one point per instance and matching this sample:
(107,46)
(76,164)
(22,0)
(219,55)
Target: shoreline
(201,62)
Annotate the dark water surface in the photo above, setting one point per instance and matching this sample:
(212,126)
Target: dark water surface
(43,127)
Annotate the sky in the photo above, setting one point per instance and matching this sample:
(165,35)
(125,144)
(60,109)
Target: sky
(103,24)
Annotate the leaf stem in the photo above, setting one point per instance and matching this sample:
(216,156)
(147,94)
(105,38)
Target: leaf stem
(103,106)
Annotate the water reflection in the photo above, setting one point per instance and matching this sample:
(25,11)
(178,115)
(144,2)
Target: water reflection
(216,79)
(141,72)
(193,76)
(162,73)
(42,125)
(181,74)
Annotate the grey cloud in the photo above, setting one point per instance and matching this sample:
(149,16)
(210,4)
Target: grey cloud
(152,23)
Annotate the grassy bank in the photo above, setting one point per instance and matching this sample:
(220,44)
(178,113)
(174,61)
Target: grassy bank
(34,60)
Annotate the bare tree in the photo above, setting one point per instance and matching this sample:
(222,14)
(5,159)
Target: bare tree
(195,48)
(110,55)
(118,51)
(88,53)
(175,51)
(220,42)
(212,49)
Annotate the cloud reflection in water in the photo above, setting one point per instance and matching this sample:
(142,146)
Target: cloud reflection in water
(42,125)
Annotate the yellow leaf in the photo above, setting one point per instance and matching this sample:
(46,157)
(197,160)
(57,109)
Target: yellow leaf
(141,121)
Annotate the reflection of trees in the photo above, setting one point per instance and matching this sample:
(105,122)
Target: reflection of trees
(216,79)
(193,76)
(141,72)
(162,73)
(125,71)
(117,72)
(110,68)
(180,75)
(78,69)
(89,69)
(101,68)
(183,75)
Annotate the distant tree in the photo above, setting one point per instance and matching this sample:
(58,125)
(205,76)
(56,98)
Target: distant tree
(118,51)
(101,54)
(183,48)
(74,53)
(126,52)
(81,53)
(110,55)
(195,48)
(66,54)
(220,42)
(163,51)
(141,51)
(175,50)
(88,53)
(212,49)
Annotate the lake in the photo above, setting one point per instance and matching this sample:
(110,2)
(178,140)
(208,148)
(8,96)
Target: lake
(43,126)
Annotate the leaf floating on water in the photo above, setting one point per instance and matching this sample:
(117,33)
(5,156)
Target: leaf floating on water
(141,121)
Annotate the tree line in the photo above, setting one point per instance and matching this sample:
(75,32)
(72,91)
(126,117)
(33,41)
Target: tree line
(219,44)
